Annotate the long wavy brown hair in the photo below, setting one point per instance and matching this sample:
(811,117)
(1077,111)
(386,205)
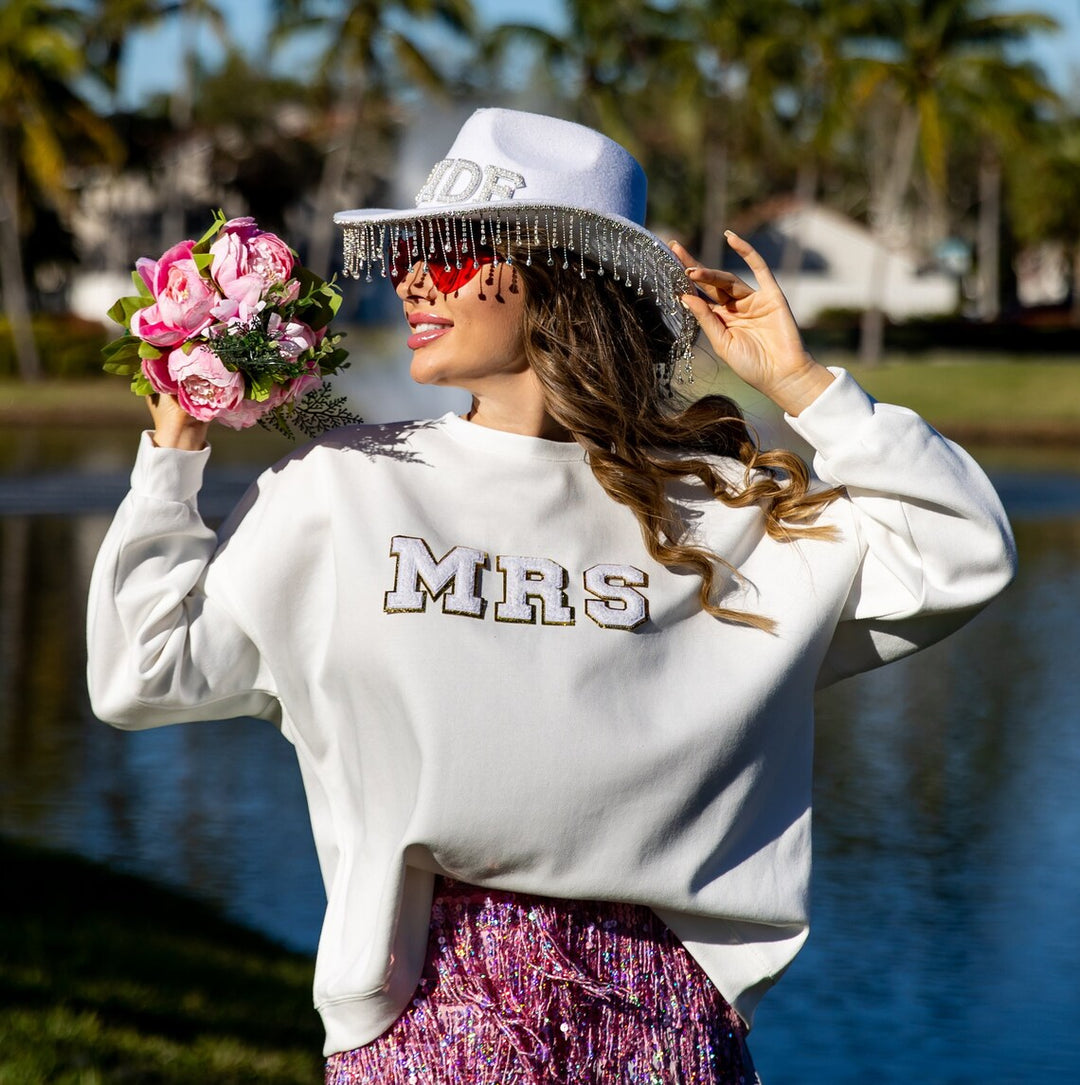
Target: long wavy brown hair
(597,348)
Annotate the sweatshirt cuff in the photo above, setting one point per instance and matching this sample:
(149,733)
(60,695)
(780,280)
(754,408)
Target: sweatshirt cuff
(168,474)
(833,419)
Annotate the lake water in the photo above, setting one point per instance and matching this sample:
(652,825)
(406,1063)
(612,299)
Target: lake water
(946,939)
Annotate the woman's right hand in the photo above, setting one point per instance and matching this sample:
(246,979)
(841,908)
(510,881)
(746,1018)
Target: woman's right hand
(753,329)
(173,426)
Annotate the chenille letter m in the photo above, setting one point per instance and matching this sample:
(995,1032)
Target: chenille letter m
(455,577)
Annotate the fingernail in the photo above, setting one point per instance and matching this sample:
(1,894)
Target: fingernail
(689,269)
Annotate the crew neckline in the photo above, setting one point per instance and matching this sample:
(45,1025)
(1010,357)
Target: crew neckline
(510,444)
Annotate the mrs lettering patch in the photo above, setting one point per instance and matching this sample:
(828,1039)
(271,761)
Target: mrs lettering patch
(535,591)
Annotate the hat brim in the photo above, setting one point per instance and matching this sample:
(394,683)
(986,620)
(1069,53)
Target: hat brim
(617,246)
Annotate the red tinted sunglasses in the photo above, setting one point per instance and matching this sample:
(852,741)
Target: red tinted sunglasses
(450,266)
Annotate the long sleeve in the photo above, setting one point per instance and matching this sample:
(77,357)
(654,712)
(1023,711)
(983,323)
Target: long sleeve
(936,544)
(160,650)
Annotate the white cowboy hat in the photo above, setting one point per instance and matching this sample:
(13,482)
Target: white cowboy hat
(524,176)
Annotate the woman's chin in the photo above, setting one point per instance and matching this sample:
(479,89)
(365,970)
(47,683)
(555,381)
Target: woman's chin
(422,373)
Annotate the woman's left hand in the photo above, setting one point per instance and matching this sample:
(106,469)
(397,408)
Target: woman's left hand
(753,331)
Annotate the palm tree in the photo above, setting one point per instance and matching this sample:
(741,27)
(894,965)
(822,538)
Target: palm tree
(621,66)
(108,32)
(925,65)
(609,60)
(374,50)
(746,56)
(260,130)
(820,100)
(692,89)
(1011,125)
(191,13)
(1045,183)
(43,119)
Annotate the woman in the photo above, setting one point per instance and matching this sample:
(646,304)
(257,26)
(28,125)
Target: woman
(549,668)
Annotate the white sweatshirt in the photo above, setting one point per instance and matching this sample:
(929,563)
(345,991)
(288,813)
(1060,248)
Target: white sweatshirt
(483,674)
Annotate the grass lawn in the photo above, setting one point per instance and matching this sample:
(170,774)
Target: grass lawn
(90,400)
(986,392)
(105,978)
(993,397)
(997,400)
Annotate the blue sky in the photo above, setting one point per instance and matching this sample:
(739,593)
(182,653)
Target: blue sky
(154,54)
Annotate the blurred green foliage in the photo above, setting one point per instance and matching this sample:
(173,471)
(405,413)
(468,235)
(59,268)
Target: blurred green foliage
(69,347)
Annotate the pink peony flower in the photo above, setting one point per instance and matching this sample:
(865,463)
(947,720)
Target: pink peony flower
(271,259)
(205,388)
(183,299)
(293,336)
(247,261)
(246,413)
(298,388)
(156,371)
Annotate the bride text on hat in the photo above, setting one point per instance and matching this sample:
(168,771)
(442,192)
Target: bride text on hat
(534,590)
(457,180)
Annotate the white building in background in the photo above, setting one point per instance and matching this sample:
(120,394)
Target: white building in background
(824,260)
(1042,275)
(135,213)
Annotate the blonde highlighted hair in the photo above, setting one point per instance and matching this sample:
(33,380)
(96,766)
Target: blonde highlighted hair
(597,349)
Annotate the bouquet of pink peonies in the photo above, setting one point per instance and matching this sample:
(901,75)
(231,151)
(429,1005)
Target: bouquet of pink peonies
(235,328)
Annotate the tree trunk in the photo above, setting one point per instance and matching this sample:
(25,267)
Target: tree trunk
(12,276)
(893,182)
(886,205)
(181,112)
(792,244)
(335,172)
(715,203)
(806,183)
(871,335)
(182,99)
(988,303)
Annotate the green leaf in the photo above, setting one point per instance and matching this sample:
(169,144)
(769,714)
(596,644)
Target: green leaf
(338,360)
(207,239)
(140,385)
(126,347)
(316,296)
(260,388)
(123,309)
(318,307)
(149,351)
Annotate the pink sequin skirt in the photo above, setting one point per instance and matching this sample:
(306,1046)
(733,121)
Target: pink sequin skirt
(525,990)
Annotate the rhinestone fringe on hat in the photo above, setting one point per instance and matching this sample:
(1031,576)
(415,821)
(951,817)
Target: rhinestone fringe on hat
(556,235)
